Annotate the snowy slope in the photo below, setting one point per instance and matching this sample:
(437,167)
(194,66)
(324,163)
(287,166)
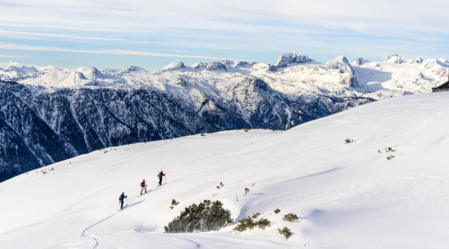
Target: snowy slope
(347,195)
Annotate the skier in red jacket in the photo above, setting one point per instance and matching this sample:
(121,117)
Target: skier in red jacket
(161,174)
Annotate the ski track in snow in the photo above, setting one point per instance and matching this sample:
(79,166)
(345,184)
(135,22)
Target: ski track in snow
(85,232)
(97,242)
(96,239)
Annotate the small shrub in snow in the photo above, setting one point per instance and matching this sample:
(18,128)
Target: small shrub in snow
(348,141)
(277,211)
(246,223)
(173,203)
(286,232)
(203,134)
(255,215)
(290,217)
(253,184)
(263,223)
(221,184)
(246,130)
(204,217)
(218,187)
(389,149)
(390,157)
(250,223)
(246,191)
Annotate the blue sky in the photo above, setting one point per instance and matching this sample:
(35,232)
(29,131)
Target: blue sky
(150,34)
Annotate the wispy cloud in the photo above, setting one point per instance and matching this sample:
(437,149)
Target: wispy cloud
(8,56)
(35,35)
(381,17)
(122,52)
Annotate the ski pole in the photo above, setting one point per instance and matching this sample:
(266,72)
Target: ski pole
(165,179)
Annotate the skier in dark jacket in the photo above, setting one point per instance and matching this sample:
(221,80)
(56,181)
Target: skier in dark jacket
(161,174)
(122,198)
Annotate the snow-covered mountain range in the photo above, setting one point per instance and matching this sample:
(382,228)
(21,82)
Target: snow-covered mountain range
(49,114)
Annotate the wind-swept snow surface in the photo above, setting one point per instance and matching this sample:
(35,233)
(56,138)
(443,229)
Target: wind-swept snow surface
(346,195)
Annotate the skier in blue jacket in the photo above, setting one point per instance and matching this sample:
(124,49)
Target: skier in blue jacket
(122,198)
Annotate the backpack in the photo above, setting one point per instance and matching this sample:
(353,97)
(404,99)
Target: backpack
(142,184)
(120,198)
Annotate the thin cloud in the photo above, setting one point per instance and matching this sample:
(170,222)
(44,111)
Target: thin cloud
(122,52)
(8,56)
(17,34)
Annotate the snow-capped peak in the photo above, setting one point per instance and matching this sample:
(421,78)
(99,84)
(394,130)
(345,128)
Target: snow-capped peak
(198,65)
(215,66)
(227,62)
(340,63)
(132,69)
(398,59)
(175,65)
(419,60)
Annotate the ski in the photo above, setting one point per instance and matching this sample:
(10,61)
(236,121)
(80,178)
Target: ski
(160,185)
(124,206)
(144,193)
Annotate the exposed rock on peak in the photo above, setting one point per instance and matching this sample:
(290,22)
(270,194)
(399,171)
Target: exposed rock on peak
(397,59)
(340,63)
(227,62)
(347,77)
(180,81)
(198,65)
(215,66)
(242,64)
(131,69)
(251,82)
(175,65)
(438,68)
(78,75)
(289,58)
(361,61)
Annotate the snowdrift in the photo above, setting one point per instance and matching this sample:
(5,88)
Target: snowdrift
(347,195)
